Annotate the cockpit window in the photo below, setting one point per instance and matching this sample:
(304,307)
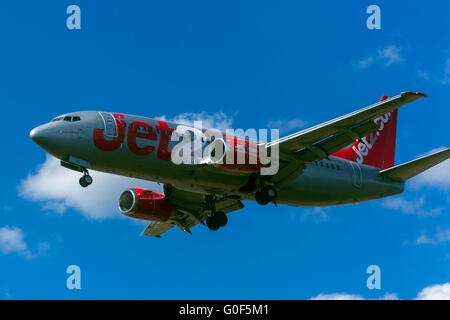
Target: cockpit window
(58,118)
(67,118)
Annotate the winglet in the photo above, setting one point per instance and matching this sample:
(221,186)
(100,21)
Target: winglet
(417,93)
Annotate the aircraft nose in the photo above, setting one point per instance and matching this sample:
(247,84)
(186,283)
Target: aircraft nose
(34,134)
(40,135)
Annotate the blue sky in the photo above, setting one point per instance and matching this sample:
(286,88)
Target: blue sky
(249,64)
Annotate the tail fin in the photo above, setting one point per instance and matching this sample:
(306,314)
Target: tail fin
(410,169)
(378,148)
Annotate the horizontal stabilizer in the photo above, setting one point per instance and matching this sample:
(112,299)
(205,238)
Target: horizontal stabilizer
(412,168)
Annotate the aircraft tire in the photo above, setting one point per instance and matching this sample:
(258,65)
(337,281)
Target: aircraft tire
(88,179)
(260,198)
(270,193)
(211,223)
(221,218)
(83,182)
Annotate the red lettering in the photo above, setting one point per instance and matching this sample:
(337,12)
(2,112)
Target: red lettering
(165,132)
(113,144)
(149,134)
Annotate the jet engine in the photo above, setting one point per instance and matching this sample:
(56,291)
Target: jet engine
(216,152)
(242,155)
(145,204)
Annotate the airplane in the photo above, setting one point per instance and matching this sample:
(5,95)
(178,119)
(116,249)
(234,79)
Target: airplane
(347,160)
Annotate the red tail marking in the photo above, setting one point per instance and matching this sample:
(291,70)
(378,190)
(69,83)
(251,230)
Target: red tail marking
(378,148)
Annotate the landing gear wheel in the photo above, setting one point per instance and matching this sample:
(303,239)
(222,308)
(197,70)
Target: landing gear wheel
(212,223)
(259,197)
(265,195)
(270,193)
(221,218)
(85,180)
(88,179)
(217,220)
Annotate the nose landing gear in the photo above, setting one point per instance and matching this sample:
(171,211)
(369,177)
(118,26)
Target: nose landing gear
(265,195)
(85,180)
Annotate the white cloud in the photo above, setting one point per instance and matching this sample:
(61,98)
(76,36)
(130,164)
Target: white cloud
(386,56)
(318,214)
(436,177)
(423,74)
(441,236)
(443,79)
(217,120)
(446,78)
(12,241)
(284,126)
(435,292)
(346,296)
(410,206)
(390,296)
(58,189)
(337,296)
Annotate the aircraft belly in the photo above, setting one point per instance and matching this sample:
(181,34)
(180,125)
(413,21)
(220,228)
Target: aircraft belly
(324,187)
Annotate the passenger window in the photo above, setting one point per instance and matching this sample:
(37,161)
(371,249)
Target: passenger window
(328,166)
(321,164)
(338,168)
(332,166)
(157,130)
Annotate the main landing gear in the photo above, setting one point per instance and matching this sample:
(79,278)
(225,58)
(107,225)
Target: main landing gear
(265,195)
(85,180)
(217,219)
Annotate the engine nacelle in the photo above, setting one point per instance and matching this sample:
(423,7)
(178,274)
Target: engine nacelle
(216,152)
(245,155)
(145,204)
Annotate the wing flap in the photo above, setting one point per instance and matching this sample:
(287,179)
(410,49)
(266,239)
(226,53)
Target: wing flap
(335,142)
(157,228)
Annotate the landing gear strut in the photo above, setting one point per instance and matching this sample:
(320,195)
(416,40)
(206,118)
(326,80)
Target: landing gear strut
(85,180)
(265,195)
(217,219)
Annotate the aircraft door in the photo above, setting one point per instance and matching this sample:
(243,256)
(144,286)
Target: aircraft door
(357,174)
(110,124)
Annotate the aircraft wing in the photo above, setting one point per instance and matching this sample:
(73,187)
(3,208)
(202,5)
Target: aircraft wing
(190,210)
(322,140)
(328,137)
